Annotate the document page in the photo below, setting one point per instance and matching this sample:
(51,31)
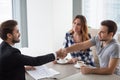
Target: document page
(42,72)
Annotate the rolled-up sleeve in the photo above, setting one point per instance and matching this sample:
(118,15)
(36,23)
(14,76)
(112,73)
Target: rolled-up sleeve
(94,40)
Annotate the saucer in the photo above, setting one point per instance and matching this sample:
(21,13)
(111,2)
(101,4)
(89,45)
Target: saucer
(91,66)
(62,62)
(76,66)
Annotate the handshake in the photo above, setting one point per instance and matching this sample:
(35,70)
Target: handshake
(61,53)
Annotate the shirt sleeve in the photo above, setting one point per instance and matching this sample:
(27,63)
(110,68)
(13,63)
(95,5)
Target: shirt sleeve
(94,40)
(115,51)
(55,54)
(20,59)
(65,42)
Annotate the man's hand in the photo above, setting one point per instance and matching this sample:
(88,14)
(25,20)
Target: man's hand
(61,53)
(85,70)
(29,68)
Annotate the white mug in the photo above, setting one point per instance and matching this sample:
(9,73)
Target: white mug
(80,63)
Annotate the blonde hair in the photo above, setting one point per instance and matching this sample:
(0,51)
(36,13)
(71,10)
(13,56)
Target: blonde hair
(84,28)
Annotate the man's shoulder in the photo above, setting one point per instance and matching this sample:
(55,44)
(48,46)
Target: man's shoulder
(6,47)
(115,43)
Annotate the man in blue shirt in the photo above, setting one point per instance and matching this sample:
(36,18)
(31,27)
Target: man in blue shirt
(108,50)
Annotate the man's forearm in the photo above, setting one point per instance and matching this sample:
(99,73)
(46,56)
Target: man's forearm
(104,71)
(79,46)
(75,47)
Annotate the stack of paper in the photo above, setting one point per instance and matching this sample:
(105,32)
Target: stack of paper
(42,72)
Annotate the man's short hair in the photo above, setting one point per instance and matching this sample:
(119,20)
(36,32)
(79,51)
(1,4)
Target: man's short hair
(112,26)
(7,27)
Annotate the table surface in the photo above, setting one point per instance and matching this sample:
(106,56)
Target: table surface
(64,69)
(79,76)
(69,72)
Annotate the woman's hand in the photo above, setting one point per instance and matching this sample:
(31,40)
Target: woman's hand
(73,60)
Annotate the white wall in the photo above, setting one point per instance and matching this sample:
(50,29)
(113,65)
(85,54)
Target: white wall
(62,21)
(39,14)
(48,20)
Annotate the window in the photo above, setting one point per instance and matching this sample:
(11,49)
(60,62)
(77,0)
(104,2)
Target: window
(15,9)
(5,10)
(98,10)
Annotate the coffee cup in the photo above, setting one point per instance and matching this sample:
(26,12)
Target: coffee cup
(80,63)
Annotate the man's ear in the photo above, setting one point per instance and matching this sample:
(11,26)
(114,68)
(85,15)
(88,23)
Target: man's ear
(111,33)
(9,36)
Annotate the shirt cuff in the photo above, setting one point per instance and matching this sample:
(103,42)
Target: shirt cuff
(55,56)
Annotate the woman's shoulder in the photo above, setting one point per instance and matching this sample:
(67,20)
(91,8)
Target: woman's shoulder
(68,33)
(89,35)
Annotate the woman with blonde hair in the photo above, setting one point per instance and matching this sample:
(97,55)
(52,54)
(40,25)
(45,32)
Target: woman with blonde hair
(78,33)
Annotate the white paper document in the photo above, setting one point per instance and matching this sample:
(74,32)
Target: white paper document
(42,72)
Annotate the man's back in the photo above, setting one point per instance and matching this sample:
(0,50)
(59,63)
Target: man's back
(11,60)
(10,69)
